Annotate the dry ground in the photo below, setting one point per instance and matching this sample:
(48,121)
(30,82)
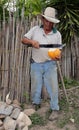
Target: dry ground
(67,112)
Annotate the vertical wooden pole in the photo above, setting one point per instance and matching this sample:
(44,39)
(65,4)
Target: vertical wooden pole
(62,81)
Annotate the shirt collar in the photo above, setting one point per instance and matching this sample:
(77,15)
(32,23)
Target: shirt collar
(54,30)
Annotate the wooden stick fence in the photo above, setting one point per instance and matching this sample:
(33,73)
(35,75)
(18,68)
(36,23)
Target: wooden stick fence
(15,59)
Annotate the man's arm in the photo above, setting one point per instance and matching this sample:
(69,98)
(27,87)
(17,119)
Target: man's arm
(30,42)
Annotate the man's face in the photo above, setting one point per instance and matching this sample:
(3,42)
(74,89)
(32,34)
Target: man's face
(47,25)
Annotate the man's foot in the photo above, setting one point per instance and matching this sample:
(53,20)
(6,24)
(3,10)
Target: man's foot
(53,116)
(36,106)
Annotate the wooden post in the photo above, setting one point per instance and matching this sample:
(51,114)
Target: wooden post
(62,81)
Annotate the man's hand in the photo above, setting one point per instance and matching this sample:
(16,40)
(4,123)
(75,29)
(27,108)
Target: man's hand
(57,57)
(35,44)
(54,54)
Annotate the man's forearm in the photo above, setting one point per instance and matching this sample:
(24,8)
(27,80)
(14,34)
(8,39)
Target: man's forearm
(26,41)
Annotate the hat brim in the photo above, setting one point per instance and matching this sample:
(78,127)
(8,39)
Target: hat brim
(53,20)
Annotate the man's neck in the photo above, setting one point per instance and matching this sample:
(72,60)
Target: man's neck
(47,31)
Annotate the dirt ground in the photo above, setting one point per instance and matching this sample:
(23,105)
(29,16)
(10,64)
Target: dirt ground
(68,117)
(53,125)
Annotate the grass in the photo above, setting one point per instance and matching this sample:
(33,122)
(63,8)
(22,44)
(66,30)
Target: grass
(69,83)
(76,116)
(62,122)
(70,110)
(73,103)
(37,120)
(63,104)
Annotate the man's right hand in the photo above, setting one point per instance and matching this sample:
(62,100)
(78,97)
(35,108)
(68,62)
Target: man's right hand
(30,42)
(35,44)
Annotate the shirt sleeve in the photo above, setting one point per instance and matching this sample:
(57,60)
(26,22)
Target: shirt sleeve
(30,33)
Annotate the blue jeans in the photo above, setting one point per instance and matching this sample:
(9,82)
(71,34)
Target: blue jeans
(44,74)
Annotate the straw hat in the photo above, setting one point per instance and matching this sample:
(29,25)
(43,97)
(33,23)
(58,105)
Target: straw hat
(49,14)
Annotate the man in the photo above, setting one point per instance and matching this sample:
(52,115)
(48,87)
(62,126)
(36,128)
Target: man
(43,68)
